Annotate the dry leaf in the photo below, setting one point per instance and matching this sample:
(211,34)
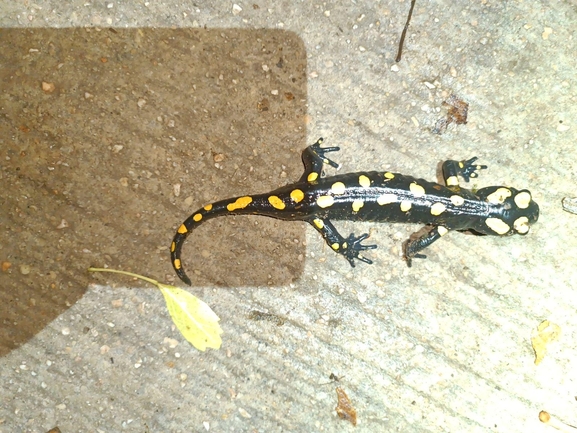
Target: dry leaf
(193,318)
(457,113)
(546,333)
(548,419)
(345,409)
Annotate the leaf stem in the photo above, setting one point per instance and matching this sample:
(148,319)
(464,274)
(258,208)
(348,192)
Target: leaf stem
(130,274)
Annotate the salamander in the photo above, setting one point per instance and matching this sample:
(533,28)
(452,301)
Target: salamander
(381,197)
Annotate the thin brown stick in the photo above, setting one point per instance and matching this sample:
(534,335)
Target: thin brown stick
(398,59)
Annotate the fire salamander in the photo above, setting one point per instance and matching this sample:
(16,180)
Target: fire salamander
(377,196)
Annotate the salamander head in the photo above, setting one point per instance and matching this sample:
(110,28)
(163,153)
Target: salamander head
(510,211)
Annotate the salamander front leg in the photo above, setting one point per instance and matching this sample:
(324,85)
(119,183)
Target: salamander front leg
(466,169)
(314,158)
(350,247)
(412,248)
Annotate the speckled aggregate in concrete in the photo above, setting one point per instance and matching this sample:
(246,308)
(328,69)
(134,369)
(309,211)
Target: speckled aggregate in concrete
(160,107)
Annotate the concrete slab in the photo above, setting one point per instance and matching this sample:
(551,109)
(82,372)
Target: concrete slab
(151,110)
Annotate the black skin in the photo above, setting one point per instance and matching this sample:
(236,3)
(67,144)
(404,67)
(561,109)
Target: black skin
(380,197)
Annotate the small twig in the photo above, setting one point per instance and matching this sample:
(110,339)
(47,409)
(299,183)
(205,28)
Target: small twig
(398,59)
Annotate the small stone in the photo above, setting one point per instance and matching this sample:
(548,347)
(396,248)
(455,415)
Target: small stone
(546,32)
(116,303)
(24,269)
(176,189)
(141,103)
(6,266)
(236,9)
(63,224)
(395,68)
(244,413)
(48,87)
(562,128)
(65,331)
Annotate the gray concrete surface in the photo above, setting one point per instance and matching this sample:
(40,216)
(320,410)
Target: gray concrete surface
(220,100)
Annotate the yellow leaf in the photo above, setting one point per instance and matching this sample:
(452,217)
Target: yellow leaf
(193,318)
(546,333)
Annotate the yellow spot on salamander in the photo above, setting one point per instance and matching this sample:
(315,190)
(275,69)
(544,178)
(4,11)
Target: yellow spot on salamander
(461,165)
(389,175)
(319,223)
(197,217)
(521,225)
(406,205)
(335,246)
(325,201)
(297,195)
(364,181)
(338,188)
(240,203)
(276,202)
(438,209)
(417,190)
(357,205)
(523,199)
(442,230)
(182,229)
(497,225)
(386,199)
(176,264)
(312,177)
(457,200)
(208,207)
(172,247)
(452,181)
(499,196)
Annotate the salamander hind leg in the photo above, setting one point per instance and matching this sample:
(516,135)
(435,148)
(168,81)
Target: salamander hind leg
(349,247)
(467,169)
(314,157)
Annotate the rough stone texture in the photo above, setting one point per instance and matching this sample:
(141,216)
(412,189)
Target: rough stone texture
(220,99)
